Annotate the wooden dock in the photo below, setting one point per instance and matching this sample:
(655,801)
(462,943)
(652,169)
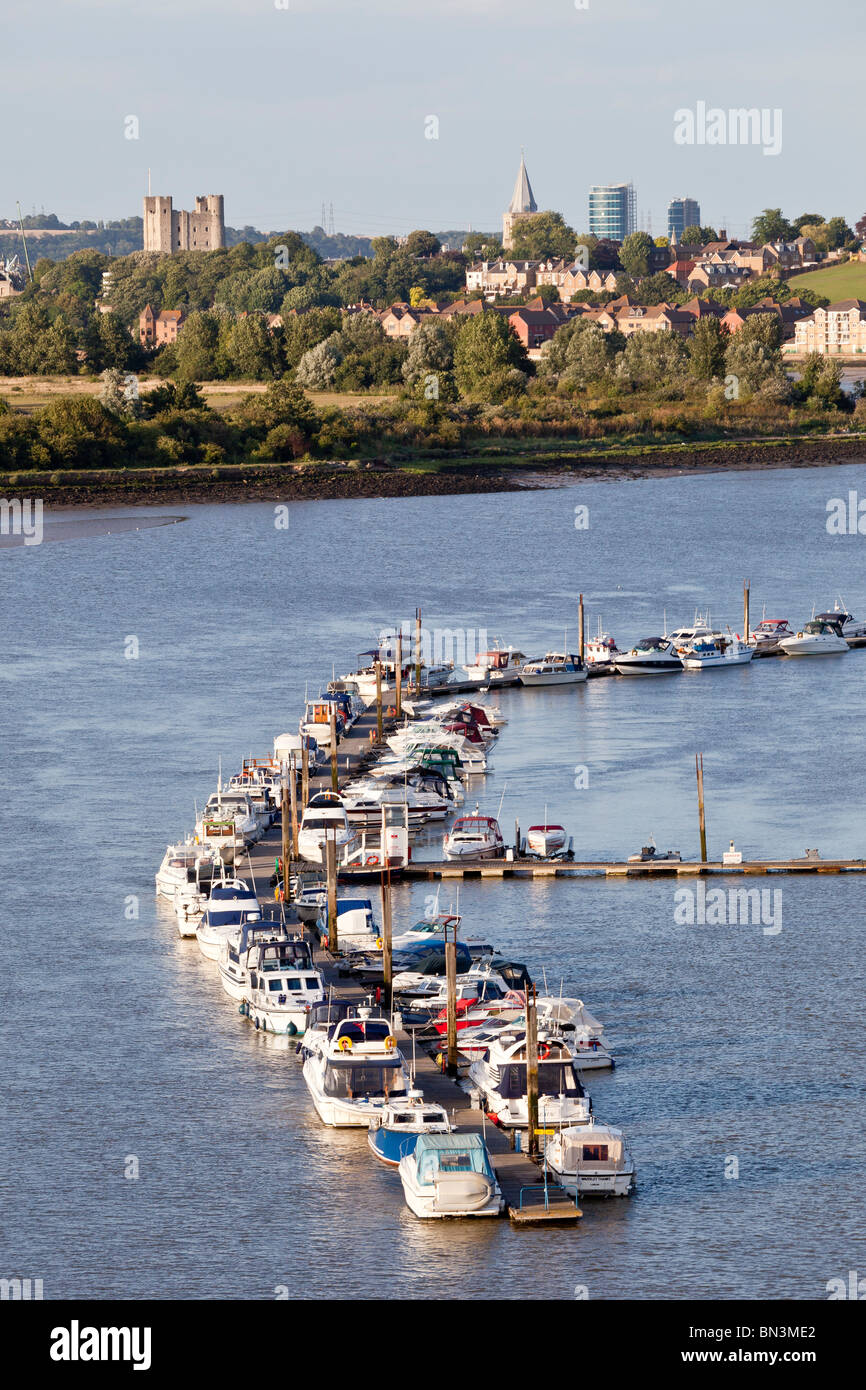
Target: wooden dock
(594,868)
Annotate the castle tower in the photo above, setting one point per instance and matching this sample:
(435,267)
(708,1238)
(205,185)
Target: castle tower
(167,230)
(158,225)
(522,204)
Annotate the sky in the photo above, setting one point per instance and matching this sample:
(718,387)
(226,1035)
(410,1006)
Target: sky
(283,105)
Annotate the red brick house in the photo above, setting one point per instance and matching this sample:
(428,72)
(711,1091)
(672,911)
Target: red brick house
(154,330)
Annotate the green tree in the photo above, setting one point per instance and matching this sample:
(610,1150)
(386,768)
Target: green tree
(252,350)
(197,348)
(422,244)
(428,371)
(706,349)
(698,236)
(654,359)
(488,357)
(635,254)
(770,225)
(542,235)
(317,368)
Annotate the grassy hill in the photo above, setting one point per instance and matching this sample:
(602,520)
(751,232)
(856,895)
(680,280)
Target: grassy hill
(846,281)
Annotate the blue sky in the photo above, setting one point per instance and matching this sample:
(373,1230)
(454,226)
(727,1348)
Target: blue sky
(326,101)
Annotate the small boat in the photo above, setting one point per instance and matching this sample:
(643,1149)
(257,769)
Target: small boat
(591,1160)
(498,666)
(239,948)
(547,839)
(474,837)
(323,818)
(848,625)
(231,904)
(356,928)
(554,668)
(186,862)
(500,1077)
(601,651)
(765,638)
(396,1128)
(716,653)
(651,656)
(355,1069)
(650,855)
(450,1175)
(820,637)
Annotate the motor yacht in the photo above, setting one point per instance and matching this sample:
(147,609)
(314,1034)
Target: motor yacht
(820,637)
(474,837)
(324,817)
(651,656)
(396,1128)
(355,1070)
(498,666)
(500,1077)
(765,638)
(716,653)
(547,839)
(239,948)
(183,863)
(554,668)
(591,1160)
(450,1175)
(231,904)
(283,987)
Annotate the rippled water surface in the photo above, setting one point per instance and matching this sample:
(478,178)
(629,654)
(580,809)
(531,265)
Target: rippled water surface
(732,1042)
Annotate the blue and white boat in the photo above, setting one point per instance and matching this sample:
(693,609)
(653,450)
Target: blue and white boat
(395,1130)
(450,1175)
(231,904)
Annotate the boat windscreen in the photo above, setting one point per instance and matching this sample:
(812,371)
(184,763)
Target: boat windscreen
(554,1079)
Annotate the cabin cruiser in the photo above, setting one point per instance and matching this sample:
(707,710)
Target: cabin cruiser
(848,625)
(554,668)
(238,946)
(420,969)
(500,1077)
(765,638)
(285,745)
(651,656)
(498,666)
(471,748)
(474,837)
(713,653)
(699,631)
(601,651)
(450,1175)
(547,839)
(591,1160)
(426,796)
(262,803)
(355,1069)
(324,817)
(231,903)
(356,929)
(428,928)
(396,1128)
(184,863)
(282,988)
(315,722)
(819,637)
(425,988)
(229,807)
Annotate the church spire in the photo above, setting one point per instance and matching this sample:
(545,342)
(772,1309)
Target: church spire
(522,199)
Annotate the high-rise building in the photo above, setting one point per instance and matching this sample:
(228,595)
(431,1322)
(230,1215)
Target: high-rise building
(682,213)
(167,229)
(612,210)
(522,204)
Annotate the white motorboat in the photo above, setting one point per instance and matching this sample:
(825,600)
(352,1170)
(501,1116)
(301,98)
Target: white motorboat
(471,748)
(283,987)
(554,668)
(354,1070)
(601,651)
(474,837)
(651,656)
(324,817)
(591,1160)
(184,862)
(239,948)
(228,807)
(395,1129)
(818,638)
(231,904)
(450,1175)
(546,839)
(498,666)
(428,928)
(500,1077)
(765,638)
(285,745)
(309,897)
(716,653)
(849,626)
(356,927)
(650,855)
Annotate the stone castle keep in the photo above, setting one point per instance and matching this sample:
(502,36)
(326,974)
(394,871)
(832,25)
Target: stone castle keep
(167,230)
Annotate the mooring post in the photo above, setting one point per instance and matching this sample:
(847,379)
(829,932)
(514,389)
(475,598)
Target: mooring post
(305,775)
(285,822)
(386,938)
(699,768)
(451,1009)
(517,838)
(331,866)
(580,631)
(335,776)
(746,594)
(379,700)
(398,699)
(531,1071)
(417,652)
(293,792)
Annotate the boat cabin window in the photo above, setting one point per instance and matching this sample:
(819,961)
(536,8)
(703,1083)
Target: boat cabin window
(595,1153)
(354,1080)
(432,1118)
(368,1030)
(321,823)
(554,1079)
(311,982)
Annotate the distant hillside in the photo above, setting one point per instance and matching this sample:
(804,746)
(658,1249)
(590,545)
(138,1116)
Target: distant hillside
(846,281)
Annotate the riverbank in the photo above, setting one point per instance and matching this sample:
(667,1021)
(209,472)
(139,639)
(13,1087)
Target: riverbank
(498,469)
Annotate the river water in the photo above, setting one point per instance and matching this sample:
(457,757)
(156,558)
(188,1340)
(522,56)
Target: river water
(133,661)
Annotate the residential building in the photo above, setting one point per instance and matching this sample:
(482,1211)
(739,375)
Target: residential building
(167,230)
(838,330)
(155,330)
(612,210)
(502,277)
(682,213)
(522,204)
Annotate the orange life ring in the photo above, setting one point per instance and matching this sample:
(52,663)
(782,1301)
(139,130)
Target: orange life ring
(372,859)
(543,1052)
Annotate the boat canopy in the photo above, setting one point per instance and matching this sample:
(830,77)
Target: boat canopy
(450,1153)
(582,1147)
(555,1078)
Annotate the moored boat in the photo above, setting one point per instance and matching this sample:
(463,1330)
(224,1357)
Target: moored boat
(396,1128)
(474,837)
(591,1160)
(651,656)
(554,668)
(819,637)
(450,1175)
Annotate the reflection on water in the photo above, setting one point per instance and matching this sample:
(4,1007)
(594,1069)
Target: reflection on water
(730,1043)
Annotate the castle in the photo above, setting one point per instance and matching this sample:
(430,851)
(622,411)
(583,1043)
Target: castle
(167,231)
(522,204)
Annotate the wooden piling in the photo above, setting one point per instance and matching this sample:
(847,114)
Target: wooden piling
(531,1071)
(285,821)
(417,652)
(331,869)
(580,628)
(746,596)
(451,1006)
(386,939)
(517,837)
(305,775)
(335,774)
(699,768)
(293,793)
(398,697)
(379,700)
